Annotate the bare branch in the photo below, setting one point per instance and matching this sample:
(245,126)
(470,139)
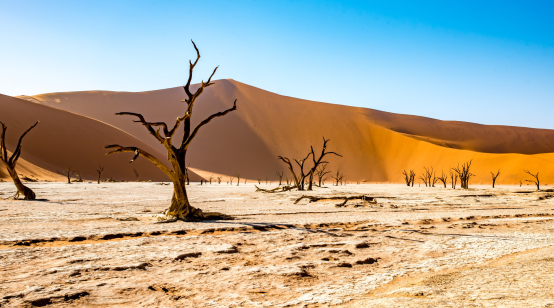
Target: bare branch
(146,124)
(187,142)
(191,68)
(120,149)
(17,152)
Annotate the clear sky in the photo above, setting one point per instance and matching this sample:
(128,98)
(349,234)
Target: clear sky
(489,62)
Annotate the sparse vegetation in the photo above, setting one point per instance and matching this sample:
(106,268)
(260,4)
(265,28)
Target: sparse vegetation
(409,178)
(464,174)
(100,170)
(494,177)
(303,178)
(68,173)
(443,178)
(536,180)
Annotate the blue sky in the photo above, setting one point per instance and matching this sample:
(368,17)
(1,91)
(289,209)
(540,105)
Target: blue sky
(489,62)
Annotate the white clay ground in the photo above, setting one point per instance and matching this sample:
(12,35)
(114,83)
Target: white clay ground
(90,245)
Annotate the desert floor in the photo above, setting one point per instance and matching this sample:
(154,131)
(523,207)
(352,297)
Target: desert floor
(96,245)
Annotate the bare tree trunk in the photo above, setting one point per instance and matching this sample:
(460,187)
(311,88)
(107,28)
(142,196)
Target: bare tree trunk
(100,171)
(180,208)
(27,193)
(11,162)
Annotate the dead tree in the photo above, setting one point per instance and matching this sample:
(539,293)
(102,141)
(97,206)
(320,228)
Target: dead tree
(409,178)
(259,181)
(210,179)
(494,176)
(100,171)
(464,174)
(443,178)
(286,160)
(364,198)
(337,177)
(68,173)
(11,162)
(231,180)
(321,172)
(535,181)
(79,178)
(237,175)
(317,162)
(180,207)
(218,180)
(453,178)
(302,175)
(280,176)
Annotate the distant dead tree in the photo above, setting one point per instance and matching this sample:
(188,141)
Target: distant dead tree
(304,178)
(280,176)
(321,172)
(231,180)
(210,179)
(10,162)
(68,173)
(237,175)
(79,178)
(180,207)
(429,177)
(494,177)
(409,178)
(318,161)
(520,183)
(535,181)
(464,174)
(443,178)
(100,170)
(453,178)
(338,177)
(287,180)
(218,180)
(259,181)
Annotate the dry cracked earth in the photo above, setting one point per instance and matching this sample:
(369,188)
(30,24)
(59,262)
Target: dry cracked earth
(90,245)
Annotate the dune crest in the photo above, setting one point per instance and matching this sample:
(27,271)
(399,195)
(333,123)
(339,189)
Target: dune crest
(377,146)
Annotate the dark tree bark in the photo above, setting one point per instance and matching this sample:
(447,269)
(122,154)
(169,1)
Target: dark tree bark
(100,171)
(443,178)
(464,174)
(10,162)
(453,178)
(237,175)
(68,173)
(318,161)
(280,176)
(180,207)
(321,172)
(291,169)
(536,181)
(494,177)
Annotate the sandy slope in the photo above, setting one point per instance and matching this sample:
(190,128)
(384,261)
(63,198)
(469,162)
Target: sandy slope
(376,145)
(64,139)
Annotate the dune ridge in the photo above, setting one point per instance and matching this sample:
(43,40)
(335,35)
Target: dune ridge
(63,139)
(377,146)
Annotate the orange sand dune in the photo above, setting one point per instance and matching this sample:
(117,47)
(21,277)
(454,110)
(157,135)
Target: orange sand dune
(26,169)
(63,139)
(376,145)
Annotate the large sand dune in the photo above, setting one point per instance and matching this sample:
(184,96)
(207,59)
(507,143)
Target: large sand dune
(64,139)
(376,146)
